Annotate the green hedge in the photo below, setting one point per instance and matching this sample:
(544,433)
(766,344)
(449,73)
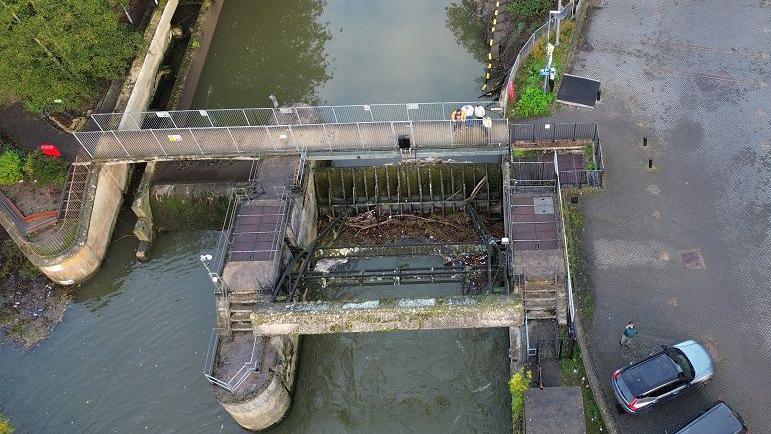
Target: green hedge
(10,167)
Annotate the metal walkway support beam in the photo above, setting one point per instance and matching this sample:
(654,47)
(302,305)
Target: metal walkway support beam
(485,311)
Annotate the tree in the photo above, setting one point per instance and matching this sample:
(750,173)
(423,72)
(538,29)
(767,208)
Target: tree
(60,53)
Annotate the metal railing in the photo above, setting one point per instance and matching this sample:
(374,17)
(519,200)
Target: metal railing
(73,222)
(569,283)
(250,141)
(236,380)
(300,115)
(554,132)
(524,52)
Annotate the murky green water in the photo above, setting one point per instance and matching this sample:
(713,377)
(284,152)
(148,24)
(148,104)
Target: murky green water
(341,52)
(128,356)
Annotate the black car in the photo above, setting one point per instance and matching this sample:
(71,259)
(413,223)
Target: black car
(662,376)
(719,419)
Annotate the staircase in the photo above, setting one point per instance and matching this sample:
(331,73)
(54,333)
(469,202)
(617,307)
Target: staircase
(546,299)
(241,306)
(73,191)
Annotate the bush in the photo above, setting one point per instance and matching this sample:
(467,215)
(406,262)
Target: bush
(529,12)
(5,426)
(10,167)
(533,103)
(45,170)
(518,384)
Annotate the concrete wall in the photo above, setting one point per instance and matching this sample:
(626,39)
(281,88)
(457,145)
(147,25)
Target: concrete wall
(113,179)
(269,407)
(81,265)
(302,229)
(140,85)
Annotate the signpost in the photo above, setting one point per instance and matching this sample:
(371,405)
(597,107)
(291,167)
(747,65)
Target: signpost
(549,71)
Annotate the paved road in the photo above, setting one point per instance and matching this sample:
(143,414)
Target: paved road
(694,77)
(29,131)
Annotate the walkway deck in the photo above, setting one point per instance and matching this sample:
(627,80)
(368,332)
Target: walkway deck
(251,141)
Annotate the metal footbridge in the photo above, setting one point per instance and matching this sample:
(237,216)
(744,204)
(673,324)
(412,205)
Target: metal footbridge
(420,128)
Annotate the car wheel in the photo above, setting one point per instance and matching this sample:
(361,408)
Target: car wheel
(620,409)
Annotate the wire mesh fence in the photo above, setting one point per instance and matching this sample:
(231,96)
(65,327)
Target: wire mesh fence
(244,141)
(300,115)
(72,221)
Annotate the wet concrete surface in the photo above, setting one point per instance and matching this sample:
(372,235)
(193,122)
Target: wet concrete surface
(682,249)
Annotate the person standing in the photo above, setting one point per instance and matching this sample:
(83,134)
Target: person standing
(468,111)
(479,112)
(630,331)
(455,117)
(487,125)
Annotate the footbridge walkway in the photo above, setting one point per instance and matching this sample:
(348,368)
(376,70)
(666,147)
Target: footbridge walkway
(421,128)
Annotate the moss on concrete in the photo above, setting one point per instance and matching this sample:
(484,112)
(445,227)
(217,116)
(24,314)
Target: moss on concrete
(189,209)
(181,207)
(389,314)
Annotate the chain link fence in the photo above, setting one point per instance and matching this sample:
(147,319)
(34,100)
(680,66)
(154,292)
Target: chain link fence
(245,141)
(72,221)
(300,115)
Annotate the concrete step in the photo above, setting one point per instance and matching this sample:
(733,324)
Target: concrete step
(242,329)
(240,315)
(540,314)
(540,304)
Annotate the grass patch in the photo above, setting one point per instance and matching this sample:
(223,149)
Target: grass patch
(574,226)
(574,374)
(528,78)
(518,384)
(519,153)
(589,154)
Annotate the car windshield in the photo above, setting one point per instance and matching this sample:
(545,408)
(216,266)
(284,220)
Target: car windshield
(650,374)
(682,362)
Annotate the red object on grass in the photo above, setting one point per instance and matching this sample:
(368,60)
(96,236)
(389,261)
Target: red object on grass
(50,150)
(510,90)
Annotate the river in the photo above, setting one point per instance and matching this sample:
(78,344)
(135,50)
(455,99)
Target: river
(128,355)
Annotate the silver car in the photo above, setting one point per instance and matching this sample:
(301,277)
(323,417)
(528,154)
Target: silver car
(662,376)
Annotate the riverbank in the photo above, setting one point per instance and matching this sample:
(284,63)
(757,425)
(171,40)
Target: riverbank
(30,305)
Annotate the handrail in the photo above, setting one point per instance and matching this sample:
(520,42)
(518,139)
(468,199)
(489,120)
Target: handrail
(248,368)
(295,115)
(571,305)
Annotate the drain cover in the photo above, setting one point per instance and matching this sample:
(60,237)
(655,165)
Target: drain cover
(692,259)
(543,205)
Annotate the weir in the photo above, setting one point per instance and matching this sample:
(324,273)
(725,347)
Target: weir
(470,236)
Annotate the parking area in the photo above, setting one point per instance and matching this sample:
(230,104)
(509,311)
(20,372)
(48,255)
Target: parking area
(682,249)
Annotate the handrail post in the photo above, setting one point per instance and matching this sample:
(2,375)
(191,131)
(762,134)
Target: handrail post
(82,145)
(157,141)
(195,139)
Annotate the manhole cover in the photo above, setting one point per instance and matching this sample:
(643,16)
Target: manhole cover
(543,205)
(692,259)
